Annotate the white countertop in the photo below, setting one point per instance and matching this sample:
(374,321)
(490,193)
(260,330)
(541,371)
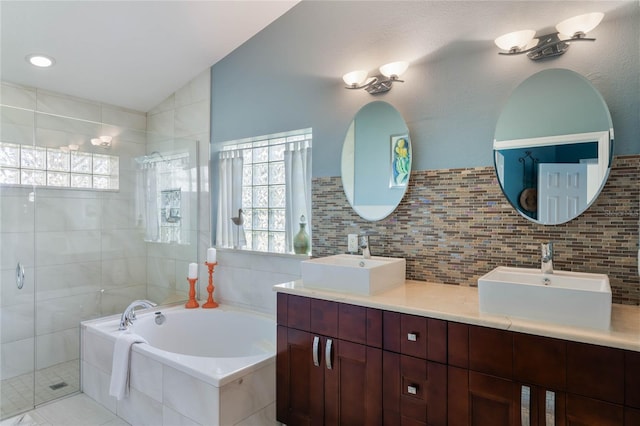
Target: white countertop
(460,304)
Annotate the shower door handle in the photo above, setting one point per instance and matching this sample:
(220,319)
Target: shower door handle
(20,276)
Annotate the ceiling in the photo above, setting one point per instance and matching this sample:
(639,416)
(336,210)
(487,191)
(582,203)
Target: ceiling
(131,54)
(136,53)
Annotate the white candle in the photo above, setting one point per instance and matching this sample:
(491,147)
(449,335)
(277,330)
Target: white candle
(211,255)
(193,270)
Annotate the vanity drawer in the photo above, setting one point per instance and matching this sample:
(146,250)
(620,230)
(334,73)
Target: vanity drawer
(596,372)
(540,361)
(420,337)
(491,351)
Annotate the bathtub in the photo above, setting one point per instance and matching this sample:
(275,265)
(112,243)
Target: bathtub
(199,366)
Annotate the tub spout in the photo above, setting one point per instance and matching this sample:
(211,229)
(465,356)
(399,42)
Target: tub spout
(129,314)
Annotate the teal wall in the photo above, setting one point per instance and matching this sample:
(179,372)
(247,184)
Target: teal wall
(289,77)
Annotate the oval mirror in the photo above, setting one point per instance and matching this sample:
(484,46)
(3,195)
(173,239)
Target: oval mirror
(553,146)
(376,160)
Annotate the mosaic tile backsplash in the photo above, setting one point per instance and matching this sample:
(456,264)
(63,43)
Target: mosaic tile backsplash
(454,225)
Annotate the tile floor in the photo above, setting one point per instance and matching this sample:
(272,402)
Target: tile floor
(16,394)
(76,410)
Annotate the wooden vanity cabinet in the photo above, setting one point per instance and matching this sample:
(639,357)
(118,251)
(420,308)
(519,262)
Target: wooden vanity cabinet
(328,363)
(507,378)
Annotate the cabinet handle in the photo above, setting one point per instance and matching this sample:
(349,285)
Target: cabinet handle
(412,337)
(412,389)
(316,344)
(327,354)
(550,408)
(525,403)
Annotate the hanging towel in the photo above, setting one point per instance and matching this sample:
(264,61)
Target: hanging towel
(120,369)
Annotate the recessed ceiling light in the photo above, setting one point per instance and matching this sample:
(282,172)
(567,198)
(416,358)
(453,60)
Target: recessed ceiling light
(41,61)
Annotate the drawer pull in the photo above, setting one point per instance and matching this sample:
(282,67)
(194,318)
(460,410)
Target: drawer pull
(412,337)
(316,344)
(550,408)
(525,404)
(327,354)
(412,389)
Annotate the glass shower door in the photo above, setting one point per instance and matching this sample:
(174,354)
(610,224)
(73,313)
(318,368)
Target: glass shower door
(17,263)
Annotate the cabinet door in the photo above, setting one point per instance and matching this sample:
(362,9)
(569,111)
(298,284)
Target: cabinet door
(300,383)
(587,411)
(353,384)
(477,399)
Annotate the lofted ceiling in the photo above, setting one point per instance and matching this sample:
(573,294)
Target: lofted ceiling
(131,54)
(135,53)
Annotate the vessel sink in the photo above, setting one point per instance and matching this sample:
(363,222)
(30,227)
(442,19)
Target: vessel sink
(566,298)
(348,273)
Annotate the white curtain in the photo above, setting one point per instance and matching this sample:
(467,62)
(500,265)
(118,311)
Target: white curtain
(229,199)
(297,167)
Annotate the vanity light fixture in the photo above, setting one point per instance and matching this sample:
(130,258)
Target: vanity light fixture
(553,44)
(40,61)
(102,141)
(374,85)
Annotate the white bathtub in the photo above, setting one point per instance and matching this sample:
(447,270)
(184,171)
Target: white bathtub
(202,366)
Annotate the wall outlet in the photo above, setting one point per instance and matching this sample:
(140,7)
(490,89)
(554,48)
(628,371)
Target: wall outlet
(352,243)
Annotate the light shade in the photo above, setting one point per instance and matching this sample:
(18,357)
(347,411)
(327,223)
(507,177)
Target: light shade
(41,61)
(515,40)
(580,24)
(394,69)
(355,78)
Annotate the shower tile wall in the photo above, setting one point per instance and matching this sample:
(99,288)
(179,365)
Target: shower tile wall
(455,225)
(89,259)
(183,114)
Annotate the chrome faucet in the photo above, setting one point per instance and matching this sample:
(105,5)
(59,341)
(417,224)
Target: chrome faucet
(547,258)
(364,245)
(129,314)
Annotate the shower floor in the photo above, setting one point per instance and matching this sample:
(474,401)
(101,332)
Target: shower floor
(17,393)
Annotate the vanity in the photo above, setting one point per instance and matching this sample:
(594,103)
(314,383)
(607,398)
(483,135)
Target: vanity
(424,354)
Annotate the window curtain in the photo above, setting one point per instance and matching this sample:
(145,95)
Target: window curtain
(230,200)
(297,167)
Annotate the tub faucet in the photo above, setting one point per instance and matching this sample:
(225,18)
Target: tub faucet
(129,314)
(547,258)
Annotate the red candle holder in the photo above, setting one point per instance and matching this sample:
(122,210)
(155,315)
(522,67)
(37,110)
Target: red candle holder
(192,302)
(210,303)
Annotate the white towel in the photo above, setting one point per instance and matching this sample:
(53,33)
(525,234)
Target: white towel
(120,369)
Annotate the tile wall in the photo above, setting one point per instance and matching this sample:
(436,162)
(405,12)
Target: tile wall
(455,225)
(185,114)
(81,246)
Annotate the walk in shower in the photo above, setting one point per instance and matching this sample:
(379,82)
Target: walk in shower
(94,213)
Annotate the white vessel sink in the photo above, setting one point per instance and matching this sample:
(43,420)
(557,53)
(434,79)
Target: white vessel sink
(348,273)
(567,298)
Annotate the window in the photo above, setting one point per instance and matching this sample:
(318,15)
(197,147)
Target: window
(53,167)
(269,178)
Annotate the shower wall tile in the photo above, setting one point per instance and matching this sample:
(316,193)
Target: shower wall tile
(67,106)
(51,130)
(119,243)
(17,96)
(16,247)
(455,225)
(125,118)
(116,300)
(117,212)
(168,104)
(59,281)
(98,351)
(16,125)
(190,397)
(16,322)
(16,358)
(16,211)
(196,90)
(11,294)
(192,119)
(67,214)
(56,315)
(161,125)
(54,348)
(67,247)
(124,272)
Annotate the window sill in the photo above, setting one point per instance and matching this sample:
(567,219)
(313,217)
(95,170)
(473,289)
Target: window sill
(263,253)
